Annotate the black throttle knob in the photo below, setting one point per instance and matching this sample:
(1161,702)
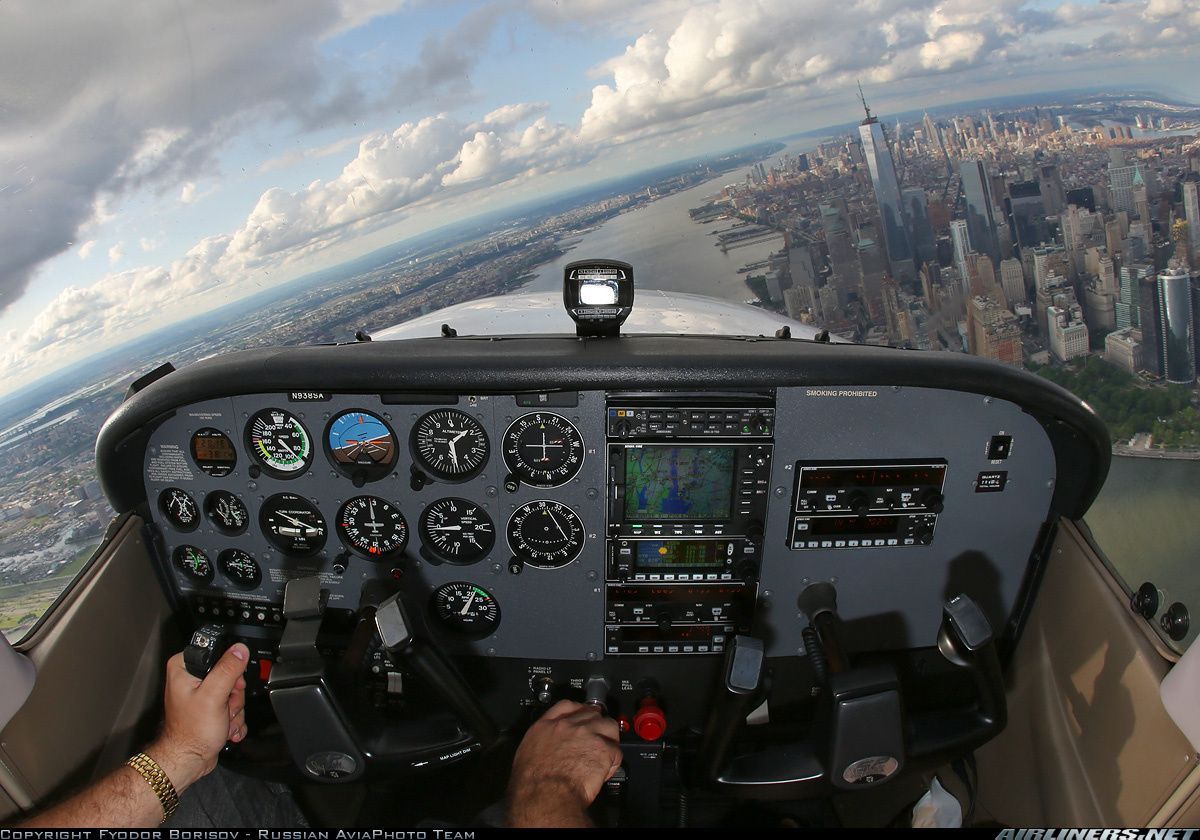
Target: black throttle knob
(208,644)
(1144,602)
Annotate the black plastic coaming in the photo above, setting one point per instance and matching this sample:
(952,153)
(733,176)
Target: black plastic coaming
(474,365)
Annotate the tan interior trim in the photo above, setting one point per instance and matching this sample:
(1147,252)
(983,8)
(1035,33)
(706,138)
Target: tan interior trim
(1095,556)
(1179,803)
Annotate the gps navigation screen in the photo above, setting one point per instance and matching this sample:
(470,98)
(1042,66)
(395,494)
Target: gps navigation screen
(678,482)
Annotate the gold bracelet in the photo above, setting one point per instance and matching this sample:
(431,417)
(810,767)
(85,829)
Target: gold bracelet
(149,770)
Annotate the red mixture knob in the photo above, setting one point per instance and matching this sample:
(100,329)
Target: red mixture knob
(649,723)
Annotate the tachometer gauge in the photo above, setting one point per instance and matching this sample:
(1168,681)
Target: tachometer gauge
(543,449)
(213,452)
(279,442)
(293,524)
(241,569)
(194,563)
(226,511)
(466,608)
(457,530)
(545,534)
(372,527)
(450,444)
(179,508)
(361,444)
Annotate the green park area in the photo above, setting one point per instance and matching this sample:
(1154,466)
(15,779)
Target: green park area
(1128,405)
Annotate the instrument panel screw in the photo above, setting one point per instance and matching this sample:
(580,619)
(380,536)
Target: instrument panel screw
(491,491)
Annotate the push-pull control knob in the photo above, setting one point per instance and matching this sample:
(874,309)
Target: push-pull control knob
(649,723)
(933,500)
(859,503)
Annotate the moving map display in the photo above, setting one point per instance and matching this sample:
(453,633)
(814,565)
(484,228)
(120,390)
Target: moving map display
(678,482)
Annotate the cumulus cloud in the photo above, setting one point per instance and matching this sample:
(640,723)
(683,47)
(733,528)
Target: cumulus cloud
(147,244)
(115,253)
(127,114)
(150,93)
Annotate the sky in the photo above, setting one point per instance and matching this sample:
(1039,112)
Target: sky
(159,159)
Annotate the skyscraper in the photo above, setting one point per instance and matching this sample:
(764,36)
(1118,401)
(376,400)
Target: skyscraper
(1127,308)
(1012,280)
(1191,210)
(981,220)
(916,206)
(1176,329)
(962,246)
(1121,181)
(1028,214)
(887,195)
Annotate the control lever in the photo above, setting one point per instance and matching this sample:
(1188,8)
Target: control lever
(595,692)
(741,685)
(207,646)
(317,732)
(965,640)
(402,647)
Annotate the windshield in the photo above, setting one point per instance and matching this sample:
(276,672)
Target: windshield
(1016,180)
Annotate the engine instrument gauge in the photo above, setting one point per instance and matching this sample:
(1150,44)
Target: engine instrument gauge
(360,443)
(457,530)
(466,608)
(450,444)
(241,569)
(545,534)
(279,442)
(227,512)
(543,449)
(179,508)
(293,524)
(213,452)
(372,527)
(194,563)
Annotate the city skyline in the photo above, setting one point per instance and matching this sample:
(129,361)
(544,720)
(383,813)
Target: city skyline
(324,133)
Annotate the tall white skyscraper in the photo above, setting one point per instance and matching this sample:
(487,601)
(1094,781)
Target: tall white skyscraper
(962,247)
(887,196)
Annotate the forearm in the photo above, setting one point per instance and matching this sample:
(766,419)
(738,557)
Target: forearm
(547,805)
(121,799)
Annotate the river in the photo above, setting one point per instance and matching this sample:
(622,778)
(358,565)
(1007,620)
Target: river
(667,249)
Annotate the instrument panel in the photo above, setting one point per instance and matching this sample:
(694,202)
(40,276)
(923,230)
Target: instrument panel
(591,525)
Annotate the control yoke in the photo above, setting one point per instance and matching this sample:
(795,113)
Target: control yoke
(322,742)
(863,736)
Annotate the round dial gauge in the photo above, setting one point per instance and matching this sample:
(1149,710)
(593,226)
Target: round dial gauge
(194,563)
(360,442)
(450,444)
(545,534)
(279,442)
(241,569)
(466,608)
(292,524)
(372,527)
(179,508)
(227,512)
(213,452)
(457,530)
(543,449)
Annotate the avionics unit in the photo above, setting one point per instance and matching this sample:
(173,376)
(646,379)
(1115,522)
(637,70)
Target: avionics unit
(688,487)
(866,504)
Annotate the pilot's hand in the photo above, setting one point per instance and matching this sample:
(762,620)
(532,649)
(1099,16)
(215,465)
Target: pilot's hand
(561,766)
(201,716)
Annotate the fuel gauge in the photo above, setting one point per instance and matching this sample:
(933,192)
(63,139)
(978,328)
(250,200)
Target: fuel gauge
(241,569)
